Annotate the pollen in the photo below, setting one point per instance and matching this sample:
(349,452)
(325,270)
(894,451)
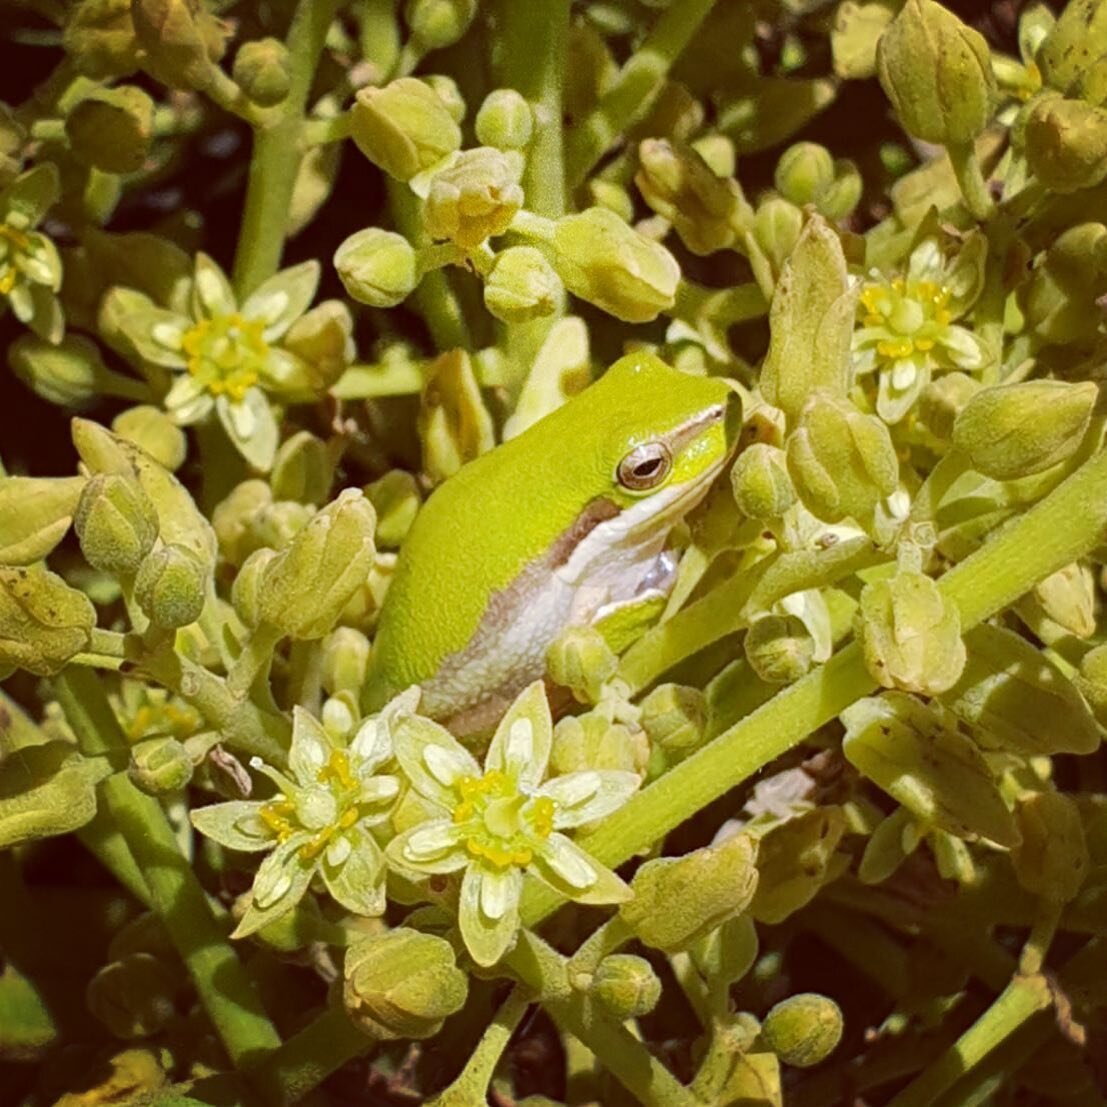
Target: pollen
(275,816)
(226,354)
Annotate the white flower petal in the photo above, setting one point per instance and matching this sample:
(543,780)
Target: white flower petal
(569,862)
(500,891)
(371,746)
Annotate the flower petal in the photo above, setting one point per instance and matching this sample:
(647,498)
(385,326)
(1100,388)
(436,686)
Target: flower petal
(283,298)
(235,825)
(188,401)
(521,745)
(926,262)
(130,319)
(251,426)
(285,373)
(431,847)
(281,881)
(310,749)
(371,746)
(893,402)
(487,939)
(964,348)
(588,795)
(577,875)
(500,890)
(432,758)
(356,880)
(211,291)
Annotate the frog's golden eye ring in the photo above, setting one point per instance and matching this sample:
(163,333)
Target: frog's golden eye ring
(645,467)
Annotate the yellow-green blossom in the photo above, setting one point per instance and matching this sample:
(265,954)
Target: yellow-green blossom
(229,356)
(498,822)
(318,823)
(30,268)
(909,324)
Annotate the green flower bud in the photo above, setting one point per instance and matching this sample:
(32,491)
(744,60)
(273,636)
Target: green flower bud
(99,36)
(159,766)
(523,285)
(111,128)
(153,431)
(248,584)
(35,514)
(116,523)
(1091,681)
(323,339)
(804,172)
(302,470)
(133,997)
(43,622)
(1066,143)
(779,648)
(439,23)
(760,481)
(1052,860)
(454,424)
(404,127)
(310,581)
(263,71)
(234,519)
(841,461)
(402,984)
(844,194)
(727,953)
(1067,597)
(674,717)
(626,986)
(677,900)
(377,267)
(446,89)
(777,224)
(1059,301)
(581,660)
(613,196)
(942,400)
(170,586)
(145,933)
(505,120)
(677,183)
(1076,40)
(344,660)
(611,265)
(591,741)
(910,634)
(181,40)
(69,373)
(938,74)
(1016,430)
(474,198)
(803,1030)
(395,498)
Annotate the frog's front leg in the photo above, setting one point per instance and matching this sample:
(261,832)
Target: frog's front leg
(622,621)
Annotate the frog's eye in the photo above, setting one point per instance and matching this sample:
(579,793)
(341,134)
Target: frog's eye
(645,467)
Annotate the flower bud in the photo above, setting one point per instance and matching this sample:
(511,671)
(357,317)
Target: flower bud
(1066,143)
(43,622)
(841,461)
(99,37)
(111,128)
(1052,860)
(454,424)
(592,741)
(760,481)
(473,198)
(677,900)
(938,74)
(674,717)
(839,200)
(395,498)
(626,986)
(613,196)
(323,339)
(677,184)
(436,24)
(447,90)
(803,1030)
(1076,40)
(344,660)
(505,120)
(1016,430)
(150,429)
(377,267)
(522,286)
(1059,301)
(133,997)
(116,523)
(248,584)
(170,587)
(910,634)
(804,172)
(611,265)
(942,400)
(181,40)
(402,984)
(309,582)
(159,766)
(263,71)
(727,953)
(302,470)
(70,372)
(779,648)
(404,127)
(1067,597)
(35,514)
(581,660)
(777,224)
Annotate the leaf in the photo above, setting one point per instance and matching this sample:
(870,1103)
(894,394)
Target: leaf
(35,513)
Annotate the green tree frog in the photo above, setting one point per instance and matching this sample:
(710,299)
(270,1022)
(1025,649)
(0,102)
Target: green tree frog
(563,526)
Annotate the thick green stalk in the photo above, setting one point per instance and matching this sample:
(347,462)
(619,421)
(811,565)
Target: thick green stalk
(223,985)
(277,153)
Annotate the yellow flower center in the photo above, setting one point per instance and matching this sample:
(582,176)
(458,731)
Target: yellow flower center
(498,829)
(226,354)
(11,241)
(910,311)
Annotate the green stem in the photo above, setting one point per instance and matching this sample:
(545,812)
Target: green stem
(971,181)
(223,985)
(1061,528)
(636,87)
(277,152)
(317,132)
(255,658)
